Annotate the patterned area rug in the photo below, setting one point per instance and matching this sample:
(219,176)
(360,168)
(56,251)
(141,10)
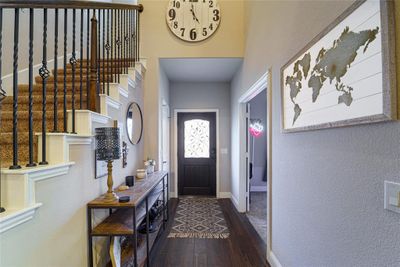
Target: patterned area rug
(199,218)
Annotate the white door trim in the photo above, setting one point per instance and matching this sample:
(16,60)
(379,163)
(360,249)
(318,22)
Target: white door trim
(175,147)
(264,83)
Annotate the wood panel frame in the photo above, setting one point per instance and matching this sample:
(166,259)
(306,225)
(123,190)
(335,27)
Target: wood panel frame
(390,91)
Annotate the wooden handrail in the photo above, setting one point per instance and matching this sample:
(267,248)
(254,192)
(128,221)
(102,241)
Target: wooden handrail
(66,4)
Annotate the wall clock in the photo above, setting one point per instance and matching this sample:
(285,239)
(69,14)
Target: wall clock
(193,20)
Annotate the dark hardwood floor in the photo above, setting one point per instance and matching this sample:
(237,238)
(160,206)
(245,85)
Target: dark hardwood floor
(243,248)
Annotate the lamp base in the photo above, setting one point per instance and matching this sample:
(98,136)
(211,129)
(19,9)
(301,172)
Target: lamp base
(110,197)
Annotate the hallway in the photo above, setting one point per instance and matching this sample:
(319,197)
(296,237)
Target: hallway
(243,247)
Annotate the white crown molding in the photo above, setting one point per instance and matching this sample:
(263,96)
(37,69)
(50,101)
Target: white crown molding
(255,89)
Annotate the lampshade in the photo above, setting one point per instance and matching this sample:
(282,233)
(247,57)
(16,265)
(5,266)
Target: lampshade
(107,143)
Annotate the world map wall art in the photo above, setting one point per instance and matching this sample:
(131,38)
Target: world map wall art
(346,75)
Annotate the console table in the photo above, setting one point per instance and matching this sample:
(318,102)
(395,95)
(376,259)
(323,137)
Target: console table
(125,218)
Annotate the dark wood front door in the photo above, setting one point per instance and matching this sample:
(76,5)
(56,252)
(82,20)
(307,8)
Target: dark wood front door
(197,153)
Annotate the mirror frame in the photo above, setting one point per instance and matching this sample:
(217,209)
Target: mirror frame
(141,123)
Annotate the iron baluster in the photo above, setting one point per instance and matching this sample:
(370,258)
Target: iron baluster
(125,43)
(2,92)
(55,99)
(114,43)
(15,91)
(65,67)
(44,73)
(80,65)
(72,61)
(138,36)
(108,52)
(87,57)
(103,58)
(119,44)
(30,98)
(136,46)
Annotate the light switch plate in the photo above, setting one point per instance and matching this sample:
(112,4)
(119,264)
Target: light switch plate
(224,151)
(392,195)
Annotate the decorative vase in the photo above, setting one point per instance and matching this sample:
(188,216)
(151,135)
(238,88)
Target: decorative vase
(141,173)
(150,169)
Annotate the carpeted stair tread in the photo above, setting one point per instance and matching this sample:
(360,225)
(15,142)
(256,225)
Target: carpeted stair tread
(7,126)
(37,88)
(37,99)
(69,79)
(23,149)
(110,68)
(107,70)
(23,102)
(23,138)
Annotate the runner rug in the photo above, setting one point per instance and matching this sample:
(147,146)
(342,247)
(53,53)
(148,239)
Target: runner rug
(199,218)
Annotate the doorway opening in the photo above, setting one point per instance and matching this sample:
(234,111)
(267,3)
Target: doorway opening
(256,208)
(255,150)
(197,153)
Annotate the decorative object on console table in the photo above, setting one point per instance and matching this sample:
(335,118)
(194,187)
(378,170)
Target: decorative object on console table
(130,180)
(141,173)
(149,164)
(108,149)
(125,151)
(346,75)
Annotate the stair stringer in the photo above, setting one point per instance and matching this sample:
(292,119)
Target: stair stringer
(18,192)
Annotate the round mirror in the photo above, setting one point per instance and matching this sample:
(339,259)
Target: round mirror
(134,123)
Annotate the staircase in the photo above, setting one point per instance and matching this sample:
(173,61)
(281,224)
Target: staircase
(6,135)
(98,44)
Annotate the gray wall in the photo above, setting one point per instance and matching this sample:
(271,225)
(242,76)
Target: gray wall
(206,96)
(327,188)
(258,110)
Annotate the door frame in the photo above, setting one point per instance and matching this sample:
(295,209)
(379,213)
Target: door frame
(175,146)
(263,83)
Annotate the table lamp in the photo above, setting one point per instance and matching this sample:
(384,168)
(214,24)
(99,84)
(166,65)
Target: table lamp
(108,149)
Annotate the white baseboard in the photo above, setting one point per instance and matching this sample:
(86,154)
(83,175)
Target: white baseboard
(224,194)
(235,202)
(221,195)
(273,260)
(258,188)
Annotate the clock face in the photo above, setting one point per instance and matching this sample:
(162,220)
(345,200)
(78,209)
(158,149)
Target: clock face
(193,20)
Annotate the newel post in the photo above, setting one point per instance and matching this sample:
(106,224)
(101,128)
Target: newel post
(93,100)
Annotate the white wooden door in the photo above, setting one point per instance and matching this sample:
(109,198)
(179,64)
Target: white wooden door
(165,153)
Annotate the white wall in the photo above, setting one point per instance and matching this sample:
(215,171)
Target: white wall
(327,185)
(186,95)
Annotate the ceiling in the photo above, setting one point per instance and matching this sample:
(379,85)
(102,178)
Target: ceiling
(200,69)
